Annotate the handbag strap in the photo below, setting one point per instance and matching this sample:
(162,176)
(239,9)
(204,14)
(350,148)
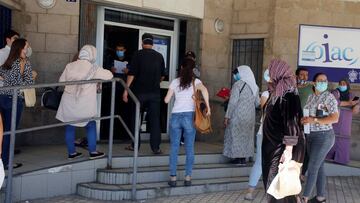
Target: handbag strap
(242,88)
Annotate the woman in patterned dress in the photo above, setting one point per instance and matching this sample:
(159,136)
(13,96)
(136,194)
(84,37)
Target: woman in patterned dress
(239,119)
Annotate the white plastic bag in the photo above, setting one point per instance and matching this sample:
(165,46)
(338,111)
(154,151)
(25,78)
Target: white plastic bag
(2,173)
(287,181)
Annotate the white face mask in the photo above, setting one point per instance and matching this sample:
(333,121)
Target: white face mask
(28,52)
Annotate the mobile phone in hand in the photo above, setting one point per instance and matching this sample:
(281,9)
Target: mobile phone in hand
(356,98)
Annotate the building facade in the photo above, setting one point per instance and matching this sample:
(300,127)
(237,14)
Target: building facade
(222,33)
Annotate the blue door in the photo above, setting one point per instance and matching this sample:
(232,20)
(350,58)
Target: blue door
(5,22)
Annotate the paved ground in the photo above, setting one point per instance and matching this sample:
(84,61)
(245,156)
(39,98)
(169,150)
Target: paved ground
(339,190)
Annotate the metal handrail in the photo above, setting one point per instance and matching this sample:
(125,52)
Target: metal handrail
(134,137)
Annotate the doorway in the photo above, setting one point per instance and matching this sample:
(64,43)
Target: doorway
(127,27)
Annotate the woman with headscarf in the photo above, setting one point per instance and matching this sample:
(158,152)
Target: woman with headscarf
(239,119)
(79,101)
(283,138)
(348,105)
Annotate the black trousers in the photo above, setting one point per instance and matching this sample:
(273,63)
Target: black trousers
(149,102)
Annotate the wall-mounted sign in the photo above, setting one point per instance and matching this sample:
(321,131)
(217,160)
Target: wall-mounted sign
(332,50)
(46,3)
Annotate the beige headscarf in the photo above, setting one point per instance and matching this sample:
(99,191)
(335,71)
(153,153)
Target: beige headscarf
(82,69)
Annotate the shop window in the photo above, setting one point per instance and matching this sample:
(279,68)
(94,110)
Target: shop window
(249,52)
(5,22)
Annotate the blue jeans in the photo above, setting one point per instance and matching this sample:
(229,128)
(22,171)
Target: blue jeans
(91,137)
(318,144)
(182,122)
(6,108)
(256,169)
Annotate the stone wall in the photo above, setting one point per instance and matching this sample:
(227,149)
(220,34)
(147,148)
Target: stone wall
(215,62)
(52,33)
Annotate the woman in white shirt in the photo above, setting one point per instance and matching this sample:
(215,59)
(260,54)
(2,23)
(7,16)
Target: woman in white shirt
(182,117)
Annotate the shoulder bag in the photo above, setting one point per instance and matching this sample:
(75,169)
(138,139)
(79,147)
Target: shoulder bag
(202,122)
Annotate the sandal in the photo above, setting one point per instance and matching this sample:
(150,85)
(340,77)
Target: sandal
(129,148)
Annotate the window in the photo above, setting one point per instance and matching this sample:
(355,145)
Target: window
(249,52)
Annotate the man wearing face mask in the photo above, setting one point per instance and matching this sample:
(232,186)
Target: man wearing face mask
(120,62)
(304,87)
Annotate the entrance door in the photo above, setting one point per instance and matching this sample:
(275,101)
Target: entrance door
(127,27)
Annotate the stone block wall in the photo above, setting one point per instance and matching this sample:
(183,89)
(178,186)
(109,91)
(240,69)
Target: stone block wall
(215,62)
(52,33)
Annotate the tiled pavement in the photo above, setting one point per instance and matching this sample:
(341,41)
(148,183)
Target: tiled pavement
(339,190)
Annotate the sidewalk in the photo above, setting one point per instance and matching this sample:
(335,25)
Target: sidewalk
(339,190)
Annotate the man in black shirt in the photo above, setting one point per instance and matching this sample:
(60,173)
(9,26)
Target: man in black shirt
(147,70)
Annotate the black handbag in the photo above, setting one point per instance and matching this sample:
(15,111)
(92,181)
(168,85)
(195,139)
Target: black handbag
(51,98)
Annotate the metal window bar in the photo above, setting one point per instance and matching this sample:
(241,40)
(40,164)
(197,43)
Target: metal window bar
(134,137)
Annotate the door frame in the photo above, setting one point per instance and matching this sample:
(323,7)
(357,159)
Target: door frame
(174,34)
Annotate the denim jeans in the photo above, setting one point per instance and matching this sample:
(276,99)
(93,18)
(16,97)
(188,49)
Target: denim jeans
(318,144)
(6,108)
(256,170)
(182,122)
(91,137)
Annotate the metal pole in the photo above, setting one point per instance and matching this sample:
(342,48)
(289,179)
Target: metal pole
(111,133)
(12,146)
(136,147)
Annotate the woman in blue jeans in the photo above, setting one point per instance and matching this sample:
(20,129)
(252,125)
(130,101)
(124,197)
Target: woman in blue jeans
(15,71)
(323,108)
(182,117)
(256,170)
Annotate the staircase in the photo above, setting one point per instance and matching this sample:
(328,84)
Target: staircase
(211,173)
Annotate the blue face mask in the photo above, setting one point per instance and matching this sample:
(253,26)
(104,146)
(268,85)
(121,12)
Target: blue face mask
(321,86)
(236,77)
(266,75)
(342,88)
(120,54)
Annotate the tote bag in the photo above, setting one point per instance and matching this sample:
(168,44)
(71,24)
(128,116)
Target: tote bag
(30,97)
(202,122)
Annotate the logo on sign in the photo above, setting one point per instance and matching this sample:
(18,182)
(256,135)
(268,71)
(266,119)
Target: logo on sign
(353,75)
(328,53)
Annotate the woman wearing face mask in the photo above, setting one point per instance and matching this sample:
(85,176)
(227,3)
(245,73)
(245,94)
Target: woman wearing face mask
(79,101)
(323,109)
(256,169)
(348,105)
(15,71)
(283,138)
(240,116)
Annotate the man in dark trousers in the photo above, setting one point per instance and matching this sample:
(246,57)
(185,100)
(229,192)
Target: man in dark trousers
(147,70)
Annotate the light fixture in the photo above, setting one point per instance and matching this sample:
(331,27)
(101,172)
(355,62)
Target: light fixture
(46,3)
(219,25)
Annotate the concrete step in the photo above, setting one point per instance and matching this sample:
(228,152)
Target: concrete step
(159,189)
(161,173)
(163,160)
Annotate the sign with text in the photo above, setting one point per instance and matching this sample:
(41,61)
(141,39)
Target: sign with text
(331,50)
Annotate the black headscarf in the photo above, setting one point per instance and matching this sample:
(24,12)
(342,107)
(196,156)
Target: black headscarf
(345,96)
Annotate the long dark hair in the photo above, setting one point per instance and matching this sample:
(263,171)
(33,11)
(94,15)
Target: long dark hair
(315,77)
(186,73)
(17,46)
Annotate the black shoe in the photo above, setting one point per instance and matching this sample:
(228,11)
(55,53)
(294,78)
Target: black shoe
(315,200)
(17,151)
(96,155)
(157,152)
(74,156)
(235,161)
(16,165)
(172,183)
(242,161)
(187,183)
